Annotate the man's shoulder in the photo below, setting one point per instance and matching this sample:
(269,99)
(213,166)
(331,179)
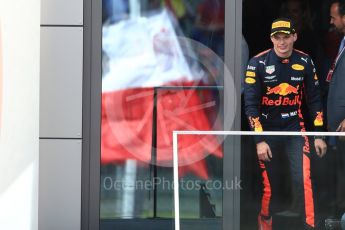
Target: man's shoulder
(303,58)
(262,54)
(302,54)
(259,58)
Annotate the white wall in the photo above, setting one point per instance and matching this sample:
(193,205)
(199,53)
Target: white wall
(19,140)
(61,83)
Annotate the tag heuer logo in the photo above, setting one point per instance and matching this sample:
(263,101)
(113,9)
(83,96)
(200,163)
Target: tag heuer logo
(270,69)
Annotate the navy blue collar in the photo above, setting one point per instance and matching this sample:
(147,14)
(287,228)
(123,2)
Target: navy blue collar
(276,58)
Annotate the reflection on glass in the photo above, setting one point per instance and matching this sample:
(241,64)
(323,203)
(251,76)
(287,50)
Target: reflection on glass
(162,71)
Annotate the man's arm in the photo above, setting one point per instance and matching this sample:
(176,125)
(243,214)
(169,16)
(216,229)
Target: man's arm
(341,128)
(252,100)
(313,96)
(252,95)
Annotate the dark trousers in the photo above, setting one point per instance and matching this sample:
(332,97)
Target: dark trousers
(296,151)
(340,172)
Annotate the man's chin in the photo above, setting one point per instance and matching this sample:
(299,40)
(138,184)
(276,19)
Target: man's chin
(283,53)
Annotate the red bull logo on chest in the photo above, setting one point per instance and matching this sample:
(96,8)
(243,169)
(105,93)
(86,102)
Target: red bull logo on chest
(284,101)
(283,89)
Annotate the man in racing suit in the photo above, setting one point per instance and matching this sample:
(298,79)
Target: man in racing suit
(275,82)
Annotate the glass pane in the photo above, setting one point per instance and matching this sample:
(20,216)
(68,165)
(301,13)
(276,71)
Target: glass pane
(202,159)
(162,71)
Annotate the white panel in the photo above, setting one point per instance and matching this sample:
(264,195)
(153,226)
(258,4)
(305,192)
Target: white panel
(19,117)
(61,82)
(61,12)
(59,185)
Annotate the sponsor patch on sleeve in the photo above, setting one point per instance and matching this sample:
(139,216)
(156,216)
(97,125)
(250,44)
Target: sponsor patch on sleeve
(250,74)
(255,124)
(249,80)
(249,67)
(319,119)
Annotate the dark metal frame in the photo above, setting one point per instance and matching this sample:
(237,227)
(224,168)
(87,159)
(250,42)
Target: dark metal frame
(232,150)
(92,85)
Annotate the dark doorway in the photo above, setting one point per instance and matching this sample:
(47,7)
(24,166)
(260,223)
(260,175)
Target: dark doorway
(320,41)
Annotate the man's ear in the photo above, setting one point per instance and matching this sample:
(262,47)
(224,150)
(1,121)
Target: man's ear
(271,37)
(295,37)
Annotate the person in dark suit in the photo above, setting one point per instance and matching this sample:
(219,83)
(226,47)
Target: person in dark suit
(336,96)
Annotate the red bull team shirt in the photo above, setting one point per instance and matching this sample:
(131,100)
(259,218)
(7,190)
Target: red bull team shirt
(274,88)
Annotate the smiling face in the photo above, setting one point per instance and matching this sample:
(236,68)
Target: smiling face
(283,44)
(337,20)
